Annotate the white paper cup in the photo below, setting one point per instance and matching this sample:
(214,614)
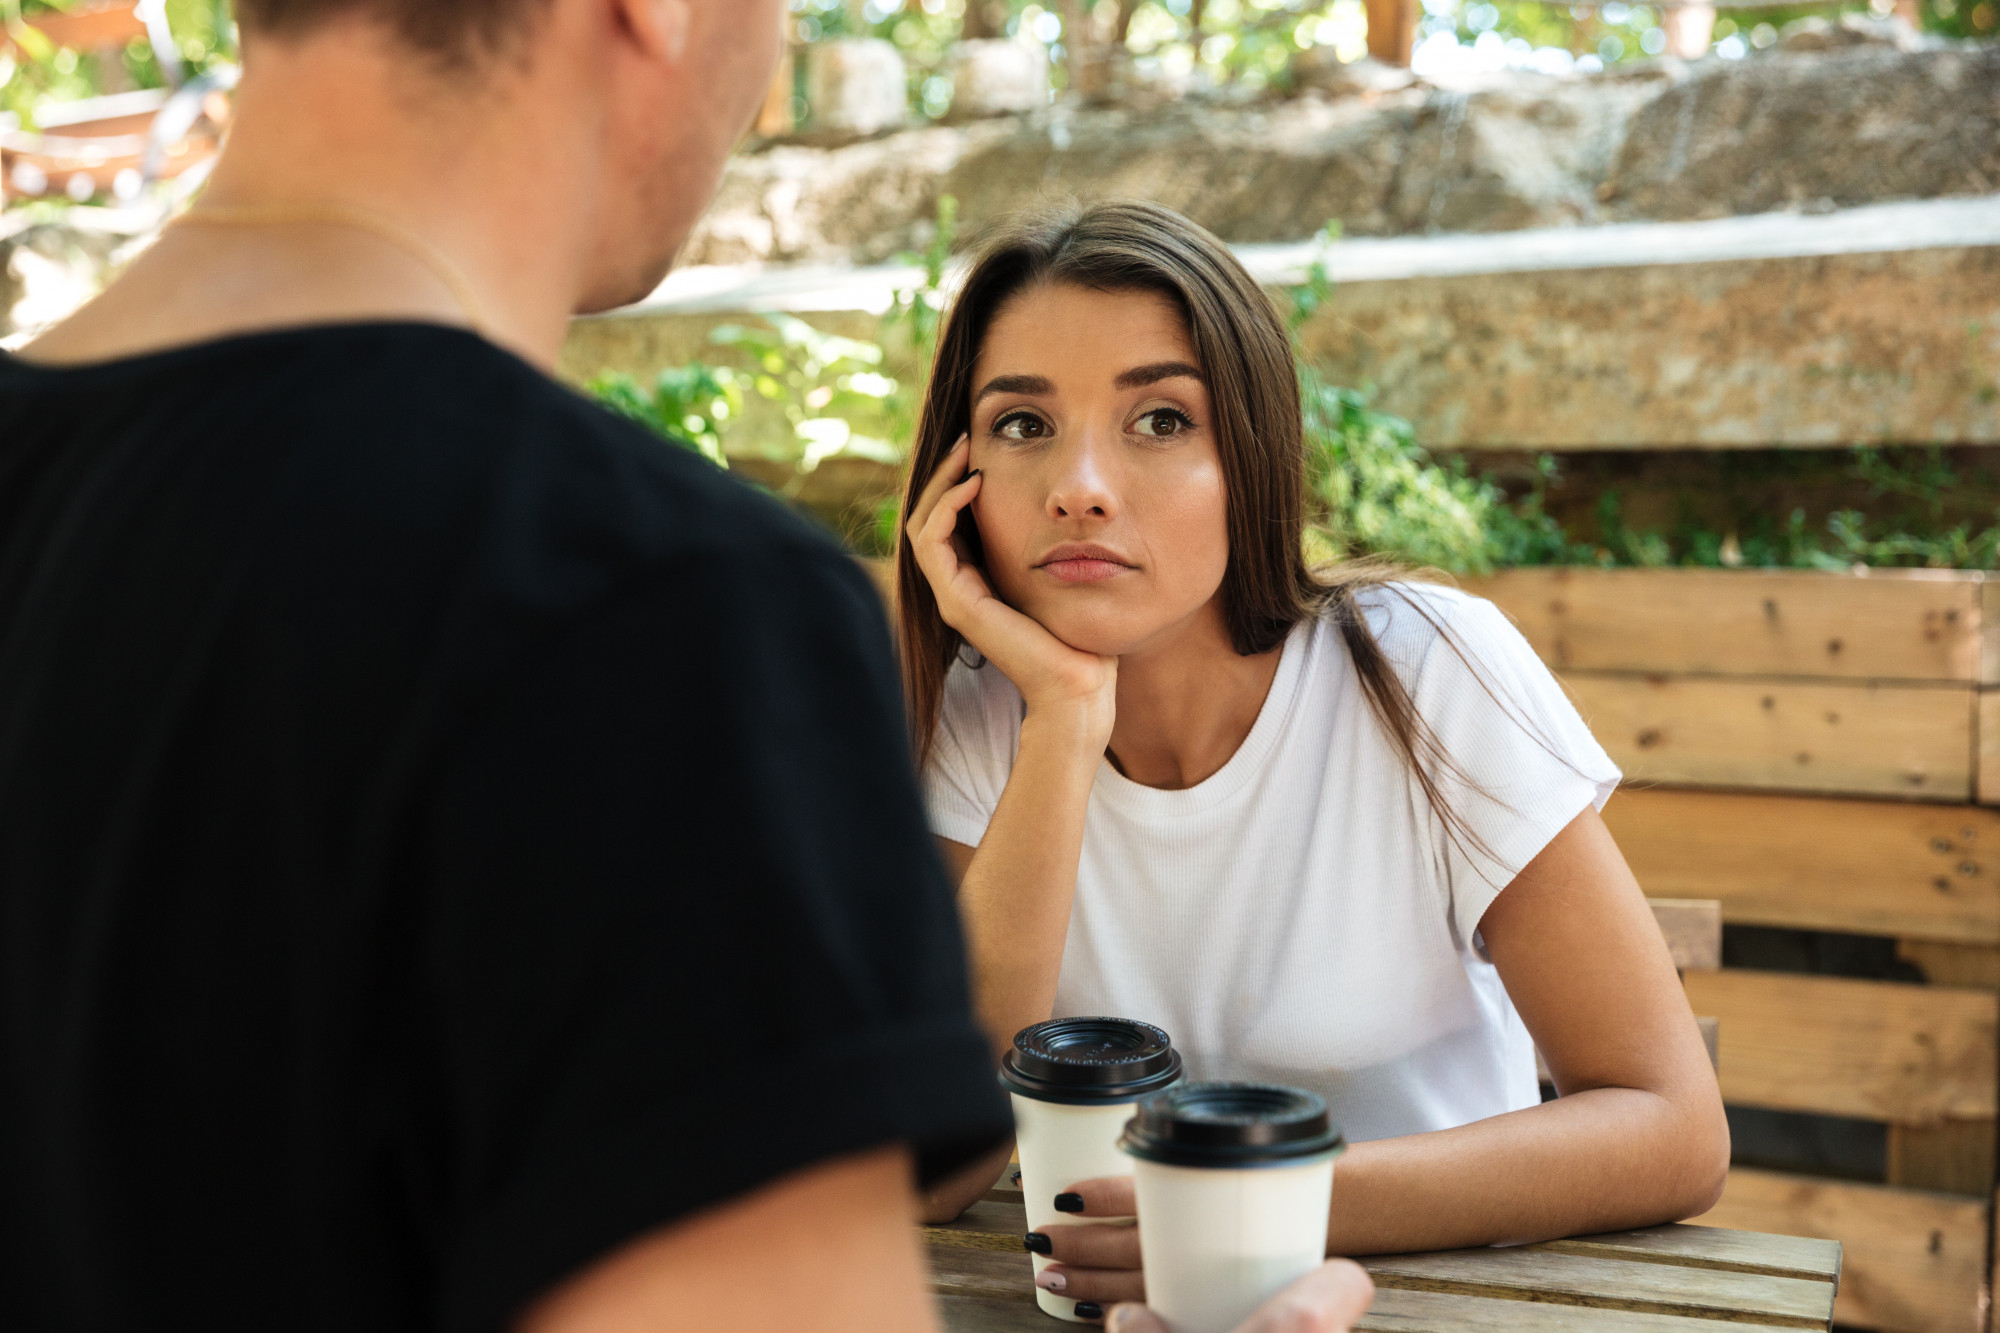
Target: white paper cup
(1235,1186)
(1075,1082)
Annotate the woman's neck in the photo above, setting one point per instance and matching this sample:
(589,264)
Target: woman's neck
(1185,706)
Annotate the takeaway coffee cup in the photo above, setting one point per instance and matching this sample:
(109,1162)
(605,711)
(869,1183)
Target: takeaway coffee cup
(1234,1182)
(1074,1082)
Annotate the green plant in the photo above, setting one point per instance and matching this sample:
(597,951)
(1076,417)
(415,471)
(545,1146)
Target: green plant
(831,389)
(689,405)
(1375,491)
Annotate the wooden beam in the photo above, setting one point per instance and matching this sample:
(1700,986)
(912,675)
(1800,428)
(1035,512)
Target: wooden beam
(1392,30)
(1953,1156)
(1926,872)
(1807,736)
(1918,624)
(1915,1261)
(1875,1050)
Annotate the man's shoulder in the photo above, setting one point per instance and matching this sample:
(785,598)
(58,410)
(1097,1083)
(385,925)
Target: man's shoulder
(554,472)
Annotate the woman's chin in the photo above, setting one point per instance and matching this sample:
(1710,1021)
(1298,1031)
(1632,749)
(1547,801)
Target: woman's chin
(1092,635)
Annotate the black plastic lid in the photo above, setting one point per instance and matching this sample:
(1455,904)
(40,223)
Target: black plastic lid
(1232,1125)
(1083,1060)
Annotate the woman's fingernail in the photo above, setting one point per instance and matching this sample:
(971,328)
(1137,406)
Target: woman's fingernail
(970,475)
(1016,1177)
(1069,1203)
(1089,1310)
(1036,1243)
(1050,1280)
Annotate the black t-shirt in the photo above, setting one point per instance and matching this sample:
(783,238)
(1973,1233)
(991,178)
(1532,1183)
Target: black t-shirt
(445,833)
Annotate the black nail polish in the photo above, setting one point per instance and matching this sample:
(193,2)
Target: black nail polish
(1069,1203)
(1036,1243)
(1089,1310)
(1015,1178)
(970,475)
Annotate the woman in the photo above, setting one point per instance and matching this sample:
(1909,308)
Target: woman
(1336,830)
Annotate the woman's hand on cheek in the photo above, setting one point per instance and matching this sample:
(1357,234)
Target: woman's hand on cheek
(1053,678)
(1095,1263)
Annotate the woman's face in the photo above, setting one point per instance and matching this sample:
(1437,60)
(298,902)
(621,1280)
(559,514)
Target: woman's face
(1103,512)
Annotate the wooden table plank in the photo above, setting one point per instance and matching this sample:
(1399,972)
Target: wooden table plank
(1672,1279)
(1537,1274)
(1714,1247)
(1399,1311)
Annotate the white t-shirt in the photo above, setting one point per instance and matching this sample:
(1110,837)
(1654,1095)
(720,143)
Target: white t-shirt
(1302,917)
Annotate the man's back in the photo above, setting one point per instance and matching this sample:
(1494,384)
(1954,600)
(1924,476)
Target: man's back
(444,832)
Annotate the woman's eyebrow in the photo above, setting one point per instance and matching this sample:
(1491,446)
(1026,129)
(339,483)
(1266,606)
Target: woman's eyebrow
(1029,384)
(1140,376)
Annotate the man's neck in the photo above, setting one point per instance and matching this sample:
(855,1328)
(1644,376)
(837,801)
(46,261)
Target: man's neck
(377,198)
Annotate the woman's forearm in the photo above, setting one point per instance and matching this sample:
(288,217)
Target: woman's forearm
(1016,894)
(1602,1160)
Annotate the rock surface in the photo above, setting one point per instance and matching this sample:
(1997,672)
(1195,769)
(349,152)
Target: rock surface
(995,77)
(1867,120)
(858,85)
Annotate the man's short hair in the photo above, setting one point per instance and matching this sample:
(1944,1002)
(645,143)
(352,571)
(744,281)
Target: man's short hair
(451,29)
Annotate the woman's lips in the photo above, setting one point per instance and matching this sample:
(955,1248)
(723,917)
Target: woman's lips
(1084,569)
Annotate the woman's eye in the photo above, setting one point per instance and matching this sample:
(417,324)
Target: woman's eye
(1020,426)
(1162,421)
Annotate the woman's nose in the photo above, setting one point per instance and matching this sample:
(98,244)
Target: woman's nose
(1082,487)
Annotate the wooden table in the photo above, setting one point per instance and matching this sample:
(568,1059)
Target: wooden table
(1671,1279)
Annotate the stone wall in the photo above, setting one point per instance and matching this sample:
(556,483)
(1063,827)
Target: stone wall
(1386,155)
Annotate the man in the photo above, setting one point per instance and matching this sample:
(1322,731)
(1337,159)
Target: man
(458,862)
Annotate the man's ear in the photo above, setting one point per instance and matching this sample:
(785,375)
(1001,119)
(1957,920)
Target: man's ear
(660,27)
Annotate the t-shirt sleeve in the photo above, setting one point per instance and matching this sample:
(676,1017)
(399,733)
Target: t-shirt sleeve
(687,932)
(1526,763)
(972,753)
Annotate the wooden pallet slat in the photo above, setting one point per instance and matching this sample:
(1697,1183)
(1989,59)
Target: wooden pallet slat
(1952,1156)
(1875,1050)
(1913,1262)
(1912,741)
(1870,867)
(1890,625)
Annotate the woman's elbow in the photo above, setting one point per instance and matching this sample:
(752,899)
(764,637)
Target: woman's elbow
(1706,1170)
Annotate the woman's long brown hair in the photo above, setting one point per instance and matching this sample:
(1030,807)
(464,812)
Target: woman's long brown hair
(1247,360)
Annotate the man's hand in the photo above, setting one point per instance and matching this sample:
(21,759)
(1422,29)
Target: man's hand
(1327,1300)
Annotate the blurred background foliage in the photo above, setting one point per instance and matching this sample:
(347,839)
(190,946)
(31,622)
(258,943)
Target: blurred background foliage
(33,72)
(1215,43)
(1250,43)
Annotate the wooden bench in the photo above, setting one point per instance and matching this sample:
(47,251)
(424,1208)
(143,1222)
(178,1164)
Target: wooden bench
(1814,751)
